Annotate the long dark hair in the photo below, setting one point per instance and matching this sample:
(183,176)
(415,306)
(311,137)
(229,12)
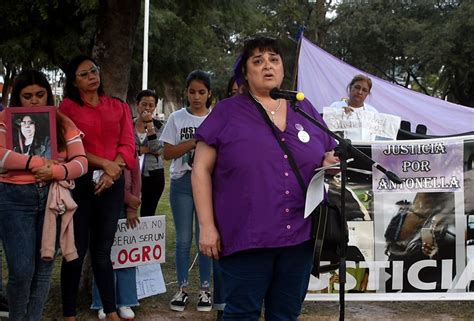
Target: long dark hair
(204,78)
(39,139)
(70,89)
(29,78)
(33,77)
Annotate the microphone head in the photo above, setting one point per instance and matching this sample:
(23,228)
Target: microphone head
(299,96)
(274,93)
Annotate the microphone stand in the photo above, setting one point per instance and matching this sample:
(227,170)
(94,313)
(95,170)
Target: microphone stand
(343,150)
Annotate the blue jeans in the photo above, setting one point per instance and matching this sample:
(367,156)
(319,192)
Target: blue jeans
(125,289)
(182,206)
(278,276)
(219,291)
(21,225)
(125,285)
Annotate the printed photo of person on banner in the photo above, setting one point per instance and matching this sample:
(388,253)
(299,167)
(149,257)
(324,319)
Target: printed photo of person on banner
(422,229)
(360,216)
(418,221)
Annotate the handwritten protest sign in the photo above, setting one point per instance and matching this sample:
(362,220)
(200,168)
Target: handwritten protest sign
(150,281)
(144,244)
(366,124)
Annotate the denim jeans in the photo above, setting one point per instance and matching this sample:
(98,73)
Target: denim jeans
(125,289)
(21,225)
(95,223)
(182,206)
(278,276)
(125,285)
(219,292)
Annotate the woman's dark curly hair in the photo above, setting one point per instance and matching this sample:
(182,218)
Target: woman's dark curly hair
(29,78)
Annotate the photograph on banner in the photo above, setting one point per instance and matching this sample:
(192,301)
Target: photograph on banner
(360,251)
(359,215)
(144,244)
(415,222)
(358,195)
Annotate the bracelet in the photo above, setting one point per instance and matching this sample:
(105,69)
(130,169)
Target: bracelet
(28,162)
(150,121)
(66,173)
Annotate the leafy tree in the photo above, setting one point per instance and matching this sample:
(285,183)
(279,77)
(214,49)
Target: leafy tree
(421,44)
(47,34)
(44,34)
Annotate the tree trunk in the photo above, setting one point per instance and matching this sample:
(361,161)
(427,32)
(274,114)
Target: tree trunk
(118,20)
(7,82)
(170,101)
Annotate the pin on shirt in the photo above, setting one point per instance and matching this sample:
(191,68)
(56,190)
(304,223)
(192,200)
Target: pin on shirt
(303,136)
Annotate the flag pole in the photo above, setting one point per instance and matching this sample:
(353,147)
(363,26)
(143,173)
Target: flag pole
(295,66)
(145,45)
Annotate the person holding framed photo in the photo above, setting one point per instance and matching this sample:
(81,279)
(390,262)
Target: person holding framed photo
(110,147)
(24,188)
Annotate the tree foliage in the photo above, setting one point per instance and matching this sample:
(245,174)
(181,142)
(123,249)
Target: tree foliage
(421,44)
(426,44)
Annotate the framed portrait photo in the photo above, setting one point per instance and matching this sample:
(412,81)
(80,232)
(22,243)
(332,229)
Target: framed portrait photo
(32,131)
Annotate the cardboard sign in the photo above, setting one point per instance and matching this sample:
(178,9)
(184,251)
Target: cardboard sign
(144,244)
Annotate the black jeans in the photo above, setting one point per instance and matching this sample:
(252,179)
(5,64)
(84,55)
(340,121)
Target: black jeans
(95,223)
(152,188)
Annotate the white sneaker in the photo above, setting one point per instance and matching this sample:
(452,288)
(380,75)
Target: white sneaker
(126,313)
(101,314)
(179,301)
(205,301)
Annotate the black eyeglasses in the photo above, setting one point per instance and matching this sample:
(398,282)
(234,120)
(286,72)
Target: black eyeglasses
(84,73)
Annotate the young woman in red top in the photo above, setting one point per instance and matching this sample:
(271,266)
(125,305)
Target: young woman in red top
(110,146)
(24,186)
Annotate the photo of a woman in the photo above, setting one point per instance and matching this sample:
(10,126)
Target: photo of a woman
(31,135)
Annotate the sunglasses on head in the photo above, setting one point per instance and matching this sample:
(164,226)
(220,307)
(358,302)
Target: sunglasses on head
(84,73)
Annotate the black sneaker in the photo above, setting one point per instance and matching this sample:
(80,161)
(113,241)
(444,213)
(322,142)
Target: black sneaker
(3,307)
(205,301)
(179,301)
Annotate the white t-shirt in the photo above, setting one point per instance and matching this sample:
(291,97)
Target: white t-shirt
(180,127)
(355,134)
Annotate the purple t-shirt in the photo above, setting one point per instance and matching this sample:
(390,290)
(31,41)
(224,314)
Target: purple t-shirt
(257,200)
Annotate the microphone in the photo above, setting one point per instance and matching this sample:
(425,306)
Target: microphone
(277,93)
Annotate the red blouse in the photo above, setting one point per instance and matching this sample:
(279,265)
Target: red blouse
(107,128)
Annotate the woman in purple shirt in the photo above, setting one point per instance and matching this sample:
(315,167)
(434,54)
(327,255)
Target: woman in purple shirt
(248,200)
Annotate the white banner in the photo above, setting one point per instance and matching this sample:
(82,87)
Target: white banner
(410,241)
(144,244)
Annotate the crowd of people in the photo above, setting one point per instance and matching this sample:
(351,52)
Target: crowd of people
(233,188)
